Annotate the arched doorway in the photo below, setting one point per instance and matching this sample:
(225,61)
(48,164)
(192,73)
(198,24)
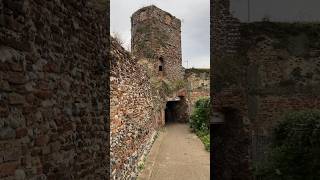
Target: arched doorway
(177,111)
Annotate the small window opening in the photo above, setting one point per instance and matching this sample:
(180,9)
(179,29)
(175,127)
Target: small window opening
(161,64)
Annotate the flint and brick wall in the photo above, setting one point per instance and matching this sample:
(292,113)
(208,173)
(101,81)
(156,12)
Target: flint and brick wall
(134,114)
(53,90)
(155,34)
(139,92)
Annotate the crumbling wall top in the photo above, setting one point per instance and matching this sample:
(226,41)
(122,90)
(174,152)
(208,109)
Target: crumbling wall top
(153,12)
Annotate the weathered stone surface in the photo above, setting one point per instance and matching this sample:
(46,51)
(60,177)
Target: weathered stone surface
(8,169)
(157,35)
(39,50)
(16,99)
(267,73)
(19,174)
(21,132)
(198,84)
(7,133)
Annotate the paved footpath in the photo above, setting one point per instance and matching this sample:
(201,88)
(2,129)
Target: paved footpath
(177,154)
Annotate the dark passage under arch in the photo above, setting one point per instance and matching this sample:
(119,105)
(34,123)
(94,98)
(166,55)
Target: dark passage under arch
(176,111)
(161,64)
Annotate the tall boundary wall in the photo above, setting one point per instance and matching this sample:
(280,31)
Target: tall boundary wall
(135,113)
(54,89)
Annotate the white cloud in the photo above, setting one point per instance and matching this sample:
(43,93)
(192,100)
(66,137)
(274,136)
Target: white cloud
(195,16)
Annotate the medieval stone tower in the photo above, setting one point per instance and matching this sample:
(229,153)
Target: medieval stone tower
(156,35)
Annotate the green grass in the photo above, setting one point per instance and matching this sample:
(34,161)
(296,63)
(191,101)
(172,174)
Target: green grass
(141,166)
(205,138)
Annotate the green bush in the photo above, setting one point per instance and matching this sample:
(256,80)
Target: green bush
(200,116)
(199,121)
(205,138)
(295,150)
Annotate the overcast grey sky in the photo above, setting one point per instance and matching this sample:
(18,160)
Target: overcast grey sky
(195,17)
(277,10)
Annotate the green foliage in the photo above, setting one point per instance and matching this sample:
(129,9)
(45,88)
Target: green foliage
(200,116)
(171,87)
(205,138)
(295,150)
(179,84)
(167,87)
(198,70)
(199,121)
(141,166)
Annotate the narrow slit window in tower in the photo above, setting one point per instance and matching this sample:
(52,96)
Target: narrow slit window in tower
(161,64)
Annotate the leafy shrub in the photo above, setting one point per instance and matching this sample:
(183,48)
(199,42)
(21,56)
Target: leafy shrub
(205,138)
(200,116)
(199,121)
(295,150)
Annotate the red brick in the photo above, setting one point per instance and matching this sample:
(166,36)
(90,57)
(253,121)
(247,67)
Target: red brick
(42,140)
(43,94)
(16,78)
(8,169)
(21,132)
(4,111)
(16,67)
(51,67)
(15,98)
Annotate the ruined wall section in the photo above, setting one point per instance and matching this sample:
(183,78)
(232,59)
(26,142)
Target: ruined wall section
(226,29)
(283,70)
(135,113)
(228,96)
(198,84)
(53,90)
(273,69)
(225,40)
(155,34)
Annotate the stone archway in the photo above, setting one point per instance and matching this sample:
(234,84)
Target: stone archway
(177,110)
